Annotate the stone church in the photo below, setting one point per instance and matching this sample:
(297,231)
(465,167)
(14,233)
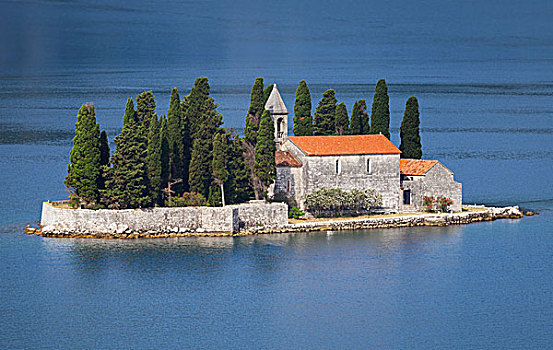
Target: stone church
(307,163)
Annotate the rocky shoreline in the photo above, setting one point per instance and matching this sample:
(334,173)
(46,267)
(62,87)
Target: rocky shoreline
(478,214)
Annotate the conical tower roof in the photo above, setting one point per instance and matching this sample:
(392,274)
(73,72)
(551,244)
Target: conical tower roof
(275,104)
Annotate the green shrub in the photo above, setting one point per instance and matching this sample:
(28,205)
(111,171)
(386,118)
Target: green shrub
(188,199)
(295,212)
(336,201)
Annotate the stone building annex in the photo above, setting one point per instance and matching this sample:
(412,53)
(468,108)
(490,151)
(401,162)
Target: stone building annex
(308,163)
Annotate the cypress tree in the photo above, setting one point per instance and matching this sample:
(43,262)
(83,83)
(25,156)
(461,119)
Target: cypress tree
(199,178)
(130,113)
(303,121)
(342,119)
(205,120)
(153,161)
(193,104)
(179,140)
(165,154)
(359,119)
(265,167)
(409,131)
(325,114)
(127,180)
(104,157)
(238,187)
(254,112)
(219,164)
(104,148)
(380,113)
(266,93)
(145,108)
(84,171)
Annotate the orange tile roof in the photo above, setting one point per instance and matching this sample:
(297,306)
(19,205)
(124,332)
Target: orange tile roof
(415,166)
(285,158)
(346,144)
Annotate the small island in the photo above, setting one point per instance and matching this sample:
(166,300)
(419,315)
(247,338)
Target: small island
(184,175)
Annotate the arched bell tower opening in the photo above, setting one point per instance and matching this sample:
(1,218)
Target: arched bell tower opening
(279,113)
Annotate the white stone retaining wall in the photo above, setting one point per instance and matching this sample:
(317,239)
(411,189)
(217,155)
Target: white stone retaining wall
(232,218)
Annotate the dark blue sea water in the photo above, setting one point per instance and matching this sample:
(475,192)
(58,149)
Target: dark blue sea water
(483,74)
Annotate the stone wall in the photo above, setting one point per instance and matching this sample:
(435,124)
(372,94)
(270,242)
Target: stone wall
(438,181)
(232,218)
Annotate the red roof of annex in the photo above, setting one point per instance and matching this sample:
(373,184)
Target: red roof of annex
(344,145)
(415,166)
(285,158)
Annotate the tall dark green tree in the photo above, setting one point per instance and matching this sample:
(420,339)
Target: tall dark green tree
(127,179)
(342,119)
(193,105)
(104,157)
(257,107)
(145,108)
(265,167)
(303,121)
(179,141)
(219,164)
(154,161)
(380,113)
(205,121)
(84,173)
(130,113)
(325,114)
(266,93)
(409,131)
(165,154)
(238,187)
(359,123)
(104,148)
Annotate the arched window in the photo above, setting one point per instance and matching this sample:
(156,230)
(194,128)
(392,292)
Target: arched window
(368,166)
(338,166)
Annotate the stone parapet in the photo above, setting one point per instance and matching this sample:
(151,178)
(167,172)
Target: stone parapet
(229,219)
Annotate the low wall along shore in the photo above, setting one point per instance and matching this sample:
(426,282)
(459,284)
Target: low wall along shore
(229,219)
(232,220)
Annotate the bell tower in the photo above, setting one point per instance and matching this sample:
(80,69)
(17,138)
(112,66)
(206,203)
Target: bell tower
(279,113)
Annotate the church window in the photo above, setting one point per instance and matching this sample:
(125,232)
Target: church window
(368,166)
(338,166)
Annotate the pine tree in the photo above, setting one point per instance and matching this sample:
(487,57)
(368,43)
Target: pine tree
(130,113)
(325,114)
(342,119)
(153,161)
(219,164)
(254,112)
(205,121)
(179,141)
(409,131)
(303,121)
(266,93)
(265,167)
(359,124)
(127,180)
(84,172)
(145,108)
(380,114)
